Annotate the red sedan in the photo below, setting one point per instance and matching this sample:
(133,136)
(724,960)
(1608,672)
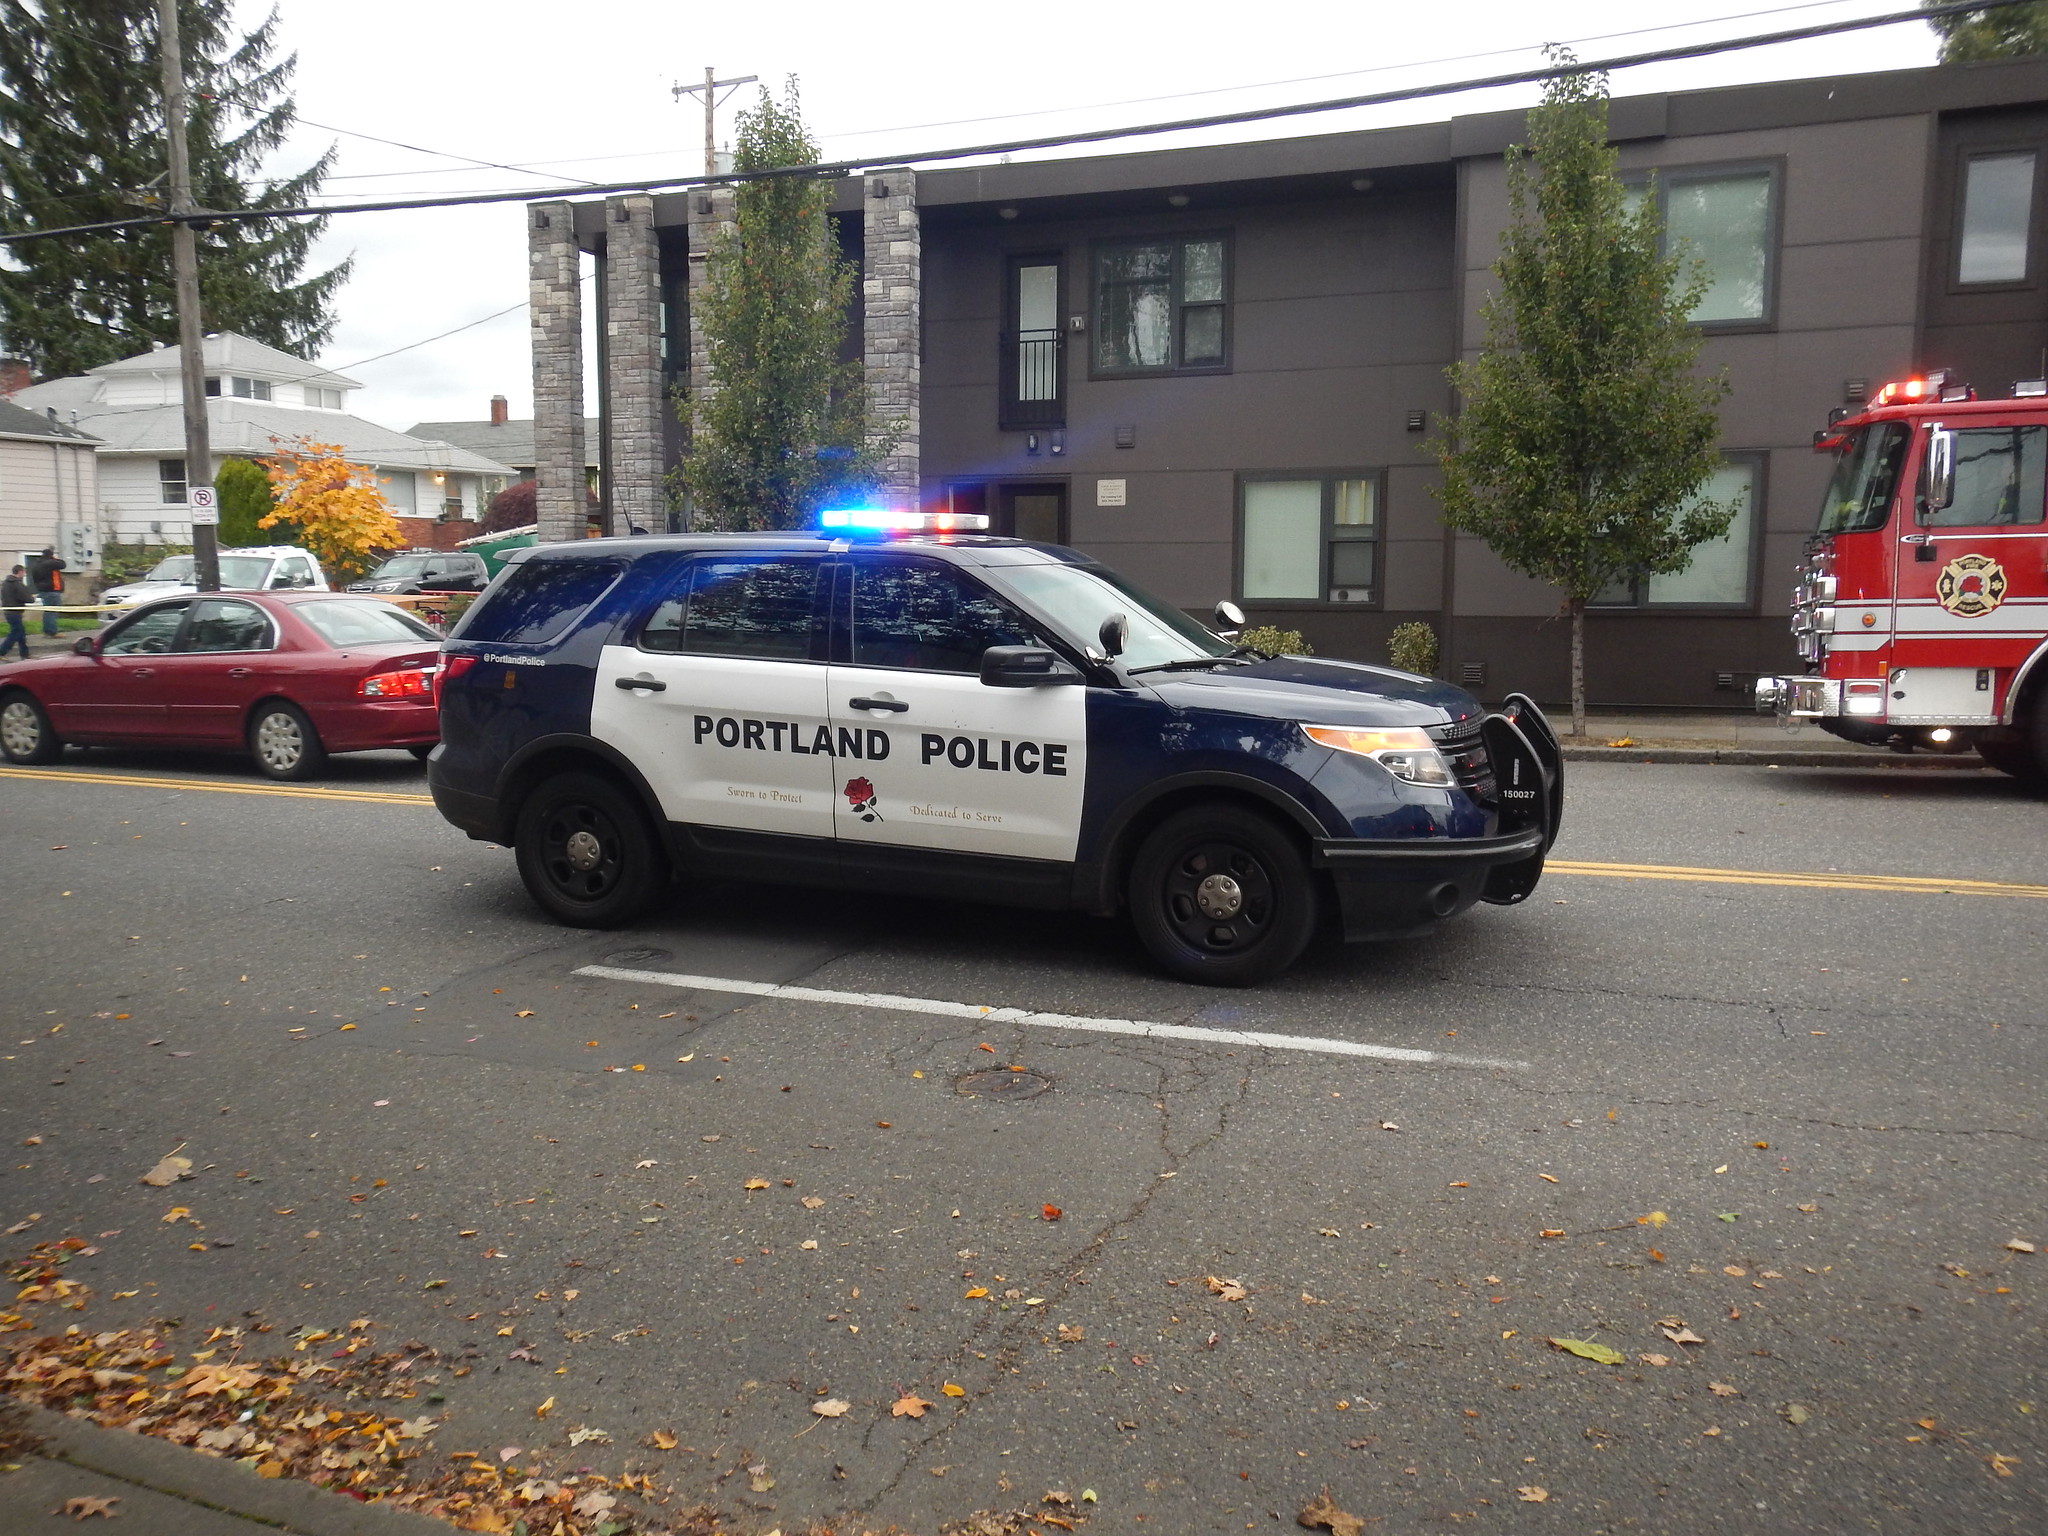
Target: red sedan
(291,676)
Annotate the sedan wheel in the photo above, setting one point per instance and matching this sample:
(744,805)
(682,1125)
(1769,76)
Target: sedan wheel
(25,733)
(284,743)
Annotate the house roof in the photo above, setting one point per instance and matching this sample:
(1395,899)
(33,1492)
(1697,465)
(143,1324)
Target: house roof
(75,393)
(252,427)
(509,442)
(231,352)
(18,421)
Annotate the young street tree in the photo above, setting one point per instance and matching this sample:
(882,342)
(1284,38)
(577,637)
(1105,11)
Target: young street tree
(2011,32)
(1584,432)
(82,141)
(332,505)
(783,425)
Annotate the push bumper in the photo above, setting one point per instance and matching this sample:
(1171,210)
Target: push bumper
(1799,698)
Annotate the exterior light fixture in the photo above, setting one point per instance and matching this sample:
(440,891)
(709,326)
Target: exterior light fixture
(1361,183)
(1177,199)
(1006,213)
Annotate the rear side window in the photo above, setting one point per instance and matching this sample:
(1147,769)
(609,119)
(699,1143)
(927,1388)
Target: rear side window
(221,624)
(538,601)
(761,608)
(362,621)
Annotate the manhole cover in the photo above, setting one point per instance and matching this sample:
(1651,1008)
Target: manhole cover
(641,956)
(1002,1085)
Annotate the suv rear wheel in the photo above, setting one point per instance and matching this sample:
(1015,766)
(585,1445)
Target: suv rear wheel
(25,732)
(587,853)
(1222,896)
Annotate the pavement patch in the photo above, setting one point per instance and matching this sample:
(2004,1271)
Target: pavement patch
(986,1014)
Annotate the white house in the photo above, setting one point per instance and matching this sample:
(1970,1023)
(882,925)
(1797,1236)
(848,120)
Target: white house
(48,487)
(257,398)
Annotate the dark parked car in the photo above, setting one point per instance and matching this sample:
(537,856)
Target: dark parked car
(426,572)
(290,676)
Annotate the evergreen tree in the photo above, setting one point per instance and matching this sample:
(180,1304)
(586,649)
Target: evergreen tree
(2011,32)
(243,490)
(1583,432)
(82,142)
(782,426)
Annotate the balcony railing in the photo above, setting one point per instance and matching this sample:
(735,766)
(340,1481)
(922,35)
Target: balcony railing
(1033,380)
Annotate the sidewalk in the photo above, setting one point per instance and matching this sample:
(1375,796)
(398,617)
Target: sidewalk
(1714,736)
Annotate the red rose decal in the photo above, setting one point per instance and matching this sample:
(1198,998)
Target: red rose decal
(860,794)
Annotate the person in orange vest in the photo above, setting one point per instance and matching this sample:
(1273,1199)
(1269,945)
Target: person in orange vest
(46,575)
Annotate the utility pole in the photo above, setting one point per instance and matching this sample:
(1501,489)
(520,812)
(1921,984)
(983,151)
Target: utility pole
(710,88)
(191,338)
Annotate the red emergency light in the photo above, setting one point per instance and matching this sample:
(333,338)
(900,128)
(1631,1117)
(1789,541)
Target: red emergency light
(1940,385)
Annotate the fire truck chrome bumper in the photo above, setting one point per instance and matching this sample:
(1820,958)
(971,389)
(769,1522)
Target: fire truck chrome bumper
(1799,698)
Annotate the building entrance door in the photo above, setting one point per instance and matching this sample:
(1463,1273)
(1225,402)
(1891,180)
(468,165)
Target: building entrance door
(1016,509)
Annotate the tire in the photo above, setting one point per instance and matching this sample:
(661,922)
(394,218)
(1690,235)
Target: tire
(26,735)
(2010,757)
(421,754)
(587,853)
(283,742)
(1223,896)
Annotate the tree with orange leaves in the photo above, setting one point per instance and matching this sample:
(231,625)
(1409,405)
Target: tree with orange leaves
(335,505)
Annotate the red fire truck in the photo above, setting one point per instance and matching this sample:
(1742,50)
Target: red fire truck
(1921,608)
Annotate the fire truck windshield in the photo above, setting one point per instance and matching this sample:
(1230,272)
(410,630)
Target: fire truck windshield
(1859,497)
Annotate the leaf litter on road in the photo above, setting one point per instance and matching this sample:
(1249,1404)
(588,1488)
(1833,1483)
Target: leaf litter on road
(1322,1514)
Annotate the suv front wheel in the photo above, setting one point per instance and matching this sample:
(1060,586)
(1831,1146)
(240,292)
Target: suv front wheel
(586,852)
(1222,896)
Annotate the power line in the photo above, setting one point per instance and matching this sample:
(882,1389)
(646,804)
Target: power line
(441,154)
(1094,136)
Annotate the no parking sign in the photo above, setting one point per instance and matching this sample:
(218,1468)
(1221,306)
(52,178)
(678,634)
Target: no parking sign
(205,510)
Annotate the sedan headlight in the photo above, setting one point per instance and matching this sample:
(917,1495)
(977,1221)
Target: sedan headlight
(1406,752)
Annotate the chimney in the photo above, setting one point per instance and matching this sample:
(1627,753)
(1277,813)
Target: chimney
(499,410)
(14,374)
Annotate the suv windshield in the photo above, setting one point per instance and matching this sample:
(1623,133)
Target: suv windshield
(1077,598)
(244,573)
(400,568)
(1859,497)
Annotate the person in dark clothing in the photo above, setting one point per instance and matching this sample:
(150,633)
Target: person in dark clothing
(14,599)
(46,575)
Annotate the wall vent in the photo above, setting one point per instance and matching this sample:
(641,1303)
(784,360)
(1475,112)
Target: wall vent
(1472,674)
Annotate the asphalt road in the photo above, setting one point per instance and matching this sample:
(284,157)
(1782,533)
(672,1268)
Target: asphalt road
(1830,1088)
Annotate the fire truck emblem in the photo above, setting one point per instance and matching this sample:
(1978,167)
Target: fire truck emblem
(1970,586)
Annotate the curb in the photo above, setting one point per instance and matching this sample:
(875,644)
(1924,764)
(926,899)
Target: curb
(297,1508)
(1749,757)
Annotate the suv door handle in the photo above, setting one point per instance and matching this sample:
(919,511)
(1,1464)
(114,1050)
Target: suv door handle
(639,682)
(896,706)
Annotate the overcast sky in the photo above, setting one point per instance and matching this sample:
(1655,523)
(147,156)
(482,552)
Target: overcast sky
(583,92)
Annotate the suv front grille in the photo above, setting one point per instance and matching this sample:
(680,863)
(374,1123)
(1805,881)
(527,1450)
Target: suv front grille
(1459,742)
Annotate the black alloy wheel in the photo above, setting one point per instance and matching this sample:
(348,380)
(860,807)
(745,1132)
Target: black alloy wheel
(1222,896)
(26,735)
(587,854)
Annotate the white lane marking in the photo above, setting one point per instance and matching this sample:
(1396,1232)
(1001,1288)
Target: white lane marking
(986,1014)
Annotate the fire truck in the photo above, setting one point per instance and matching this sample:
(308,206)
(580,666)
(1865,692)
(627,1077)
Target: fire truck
(1921,608)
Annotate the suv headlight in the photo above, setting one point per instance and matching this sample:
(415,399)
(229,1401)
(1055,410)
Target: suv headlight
(1406,752)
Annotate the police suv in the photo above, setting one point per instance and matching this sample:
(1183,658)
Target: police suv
(891,705)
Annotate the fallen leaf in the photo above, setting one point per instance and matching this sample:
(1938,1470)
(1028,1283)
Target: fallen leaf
(1529,1493)
(1733,1269)
(1051,1212)
(1654,1359)
(908,1406)
(544,1409)
(2002,1465)
(646,1162)
(1072,1333)
(1551,1232)
(524,1013)
(1654,1219)
(1727,1215)
(1460,1184)
(663,1440)
(1388,1125)
(1547,1178)
(2020,1245)
(1229,1290)
(808,1245)
(831,1408)
(414,1429)
(953,1391)
(758,1479)
(883,1125)
(1722,1389)
(1586,1349)
(1088,1496)
(977,1293)
(1809,1209)
(1796,1413)
(755,1184)
(1322,1513)
(1683,1336)
(811,1203)
(168,1172)
(595,1504)
(510,1453)
(80,1508)
(582,1436)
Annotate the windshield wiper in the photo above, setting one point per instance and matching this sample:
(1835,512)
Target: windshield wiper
(1190,663)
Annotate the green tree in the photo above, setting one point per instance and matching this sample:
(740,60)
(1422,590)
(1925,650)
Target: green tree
(82,141)
(243,490)
(1584,431)
(2012,32)
(783,425)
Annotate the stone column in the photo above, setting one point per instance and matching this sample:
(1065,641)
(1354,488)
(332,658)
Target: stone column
(711,218)
(554,276)
(892,338)
(632,382)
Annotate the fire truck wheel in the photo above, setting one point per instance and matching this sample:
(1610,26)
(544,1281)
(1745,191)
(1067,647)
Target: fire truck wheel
(2010,757)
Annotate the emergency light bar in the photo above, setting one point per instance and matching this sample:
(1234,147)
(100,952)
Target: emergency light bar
(878,520)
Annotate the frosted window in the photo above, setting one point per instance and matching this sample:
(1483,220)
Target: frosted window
(1998,208)
(1725,223)
(1283,539)
(1719,571)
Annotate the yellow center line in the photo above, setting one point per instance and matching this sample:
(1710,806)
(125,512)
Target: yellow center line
(1910,885)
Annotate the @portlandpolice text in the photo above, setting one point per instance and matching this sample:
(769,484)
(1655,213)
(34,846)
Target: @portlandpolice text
(999,755)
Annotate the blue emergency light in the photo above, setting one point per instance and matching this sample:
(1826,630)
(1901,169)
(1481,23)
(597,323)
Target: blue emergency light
(882,520)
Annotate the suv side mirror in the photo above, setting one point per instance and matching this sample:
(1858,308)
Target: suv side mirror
(1229,616)
(1025,666)
(1941,468)
(86,645)
(1114,635)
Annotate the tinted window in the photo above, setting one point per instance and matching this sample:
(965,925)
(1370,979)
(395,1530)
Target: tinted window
(1859,497)
(149,633)
(400,568)
(362,621)
(219,625)
(908,613)
(1998,479)
(538,601)
(739,608)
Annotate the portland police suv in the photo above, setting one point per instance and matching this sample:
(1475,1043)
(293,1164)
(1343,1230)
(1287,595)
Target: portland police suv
(954,715)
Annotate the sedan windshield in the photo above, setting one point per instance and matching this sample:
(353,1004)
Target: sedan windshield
(242,573)
(362,621)
(1078,598)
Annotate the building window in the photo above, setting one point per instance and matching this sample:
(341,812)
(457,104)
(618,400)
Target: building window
(1310,539)
(249,389)
(1997,218)
(1033,378)
(1161,305)
(212,387)
(1719,574)
(171,474)
(1727,221)
(323,399)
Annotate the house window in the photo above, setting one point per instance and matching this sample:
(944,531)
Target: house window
(1310,539)
(323,399)
(171,474)
(1727,221)
(1998,215)
(249,389)
(212,387)
(1033,378)
(1160,305)
(1718,575)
